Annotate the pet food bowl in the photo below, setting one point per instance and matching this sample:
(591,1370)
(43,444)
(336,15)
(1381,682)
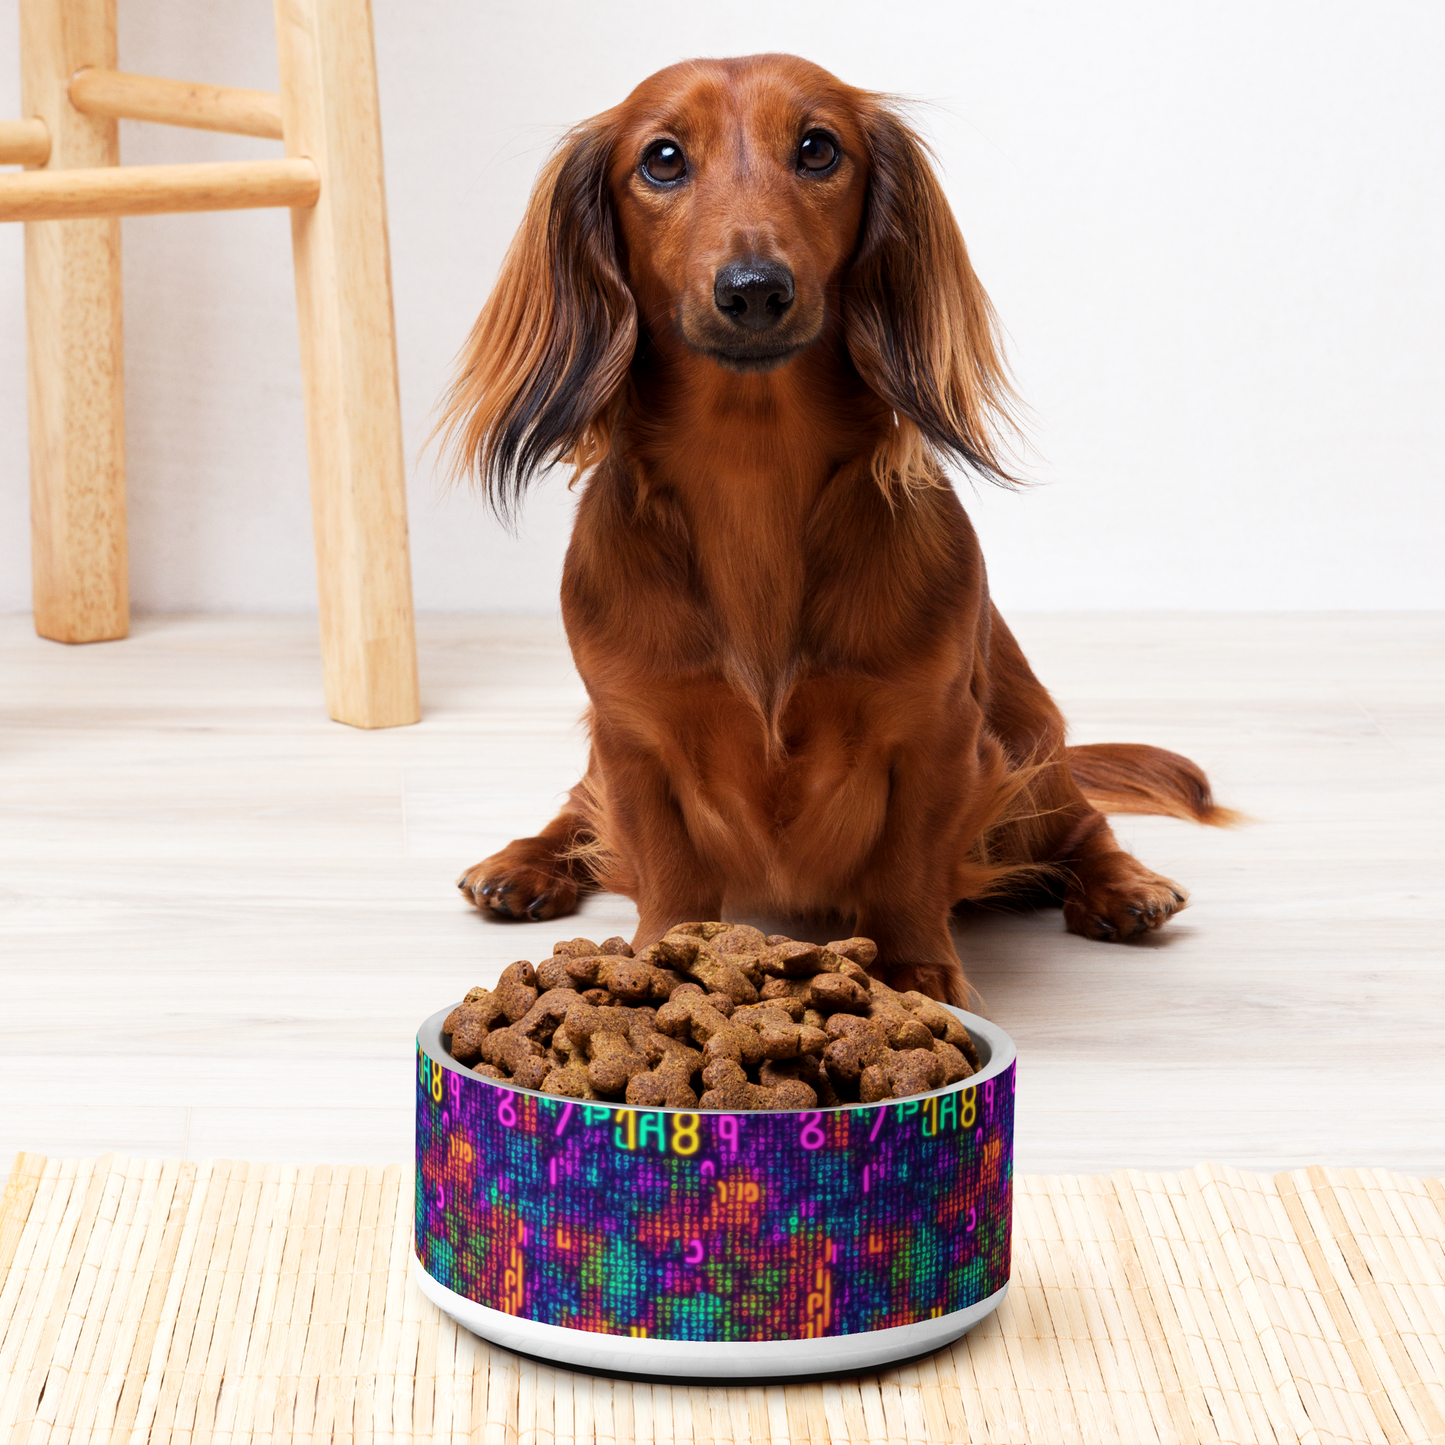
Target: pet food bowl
(705,1244)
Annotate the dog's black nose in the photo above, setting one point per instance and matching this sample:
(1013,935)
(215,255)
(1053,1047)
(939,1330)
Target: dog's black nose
(756,294)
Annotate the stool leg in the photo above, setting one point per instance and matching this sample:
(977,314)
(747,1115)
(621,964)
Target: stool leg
(72,307)
(348,362)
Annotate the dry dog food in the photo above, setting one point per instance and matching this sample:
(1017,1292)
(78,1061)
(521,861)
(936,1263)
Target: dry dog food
(715,1015)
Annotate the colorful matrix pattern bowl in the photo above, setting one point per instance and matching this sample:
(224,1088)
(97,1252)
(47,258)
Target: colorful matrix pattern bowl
(889,1221)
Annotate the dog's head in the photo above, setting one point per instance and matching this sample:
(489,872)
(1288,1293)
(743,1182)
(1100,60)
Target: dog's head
(732,214)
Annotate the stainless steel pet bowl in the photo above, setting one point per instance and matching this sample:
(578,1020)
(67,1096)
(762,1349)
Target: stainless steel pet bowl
(705,1244)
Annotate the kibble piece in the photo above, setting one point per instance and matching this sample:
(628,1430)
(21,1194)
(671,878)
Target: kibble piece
(480,1005)
(615,945)
(575,948)
(955,1066)
(788,1005)
(570,1081)
(545,1016)
(852,1052)
(728,1087)
(516,990)
(668,1084)
(691,956)
(694,1018)
(902,1029)
(862,951)
(738,939)
(806,1069)
(612,1063)
(508,1049)
(531,1073)
(913,1071)
(469,1023)
(797,960)
(775,988)
(488,1071)
(553,972)
(780,1036)
(832,993)
(941,1023)
(704,931)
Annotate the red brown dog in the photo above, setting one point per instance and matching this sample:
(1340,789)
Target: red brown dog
(740,305)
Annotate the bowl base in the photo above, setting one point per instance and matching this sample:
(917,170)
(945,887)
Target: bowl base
(705,1361)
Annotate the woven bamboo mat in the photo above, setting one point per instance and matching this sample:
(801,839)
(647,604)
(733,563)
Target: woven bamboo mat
(153,1300)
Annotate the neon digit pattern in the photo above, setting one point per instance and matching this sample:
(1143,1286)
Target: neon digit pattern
(703,1226)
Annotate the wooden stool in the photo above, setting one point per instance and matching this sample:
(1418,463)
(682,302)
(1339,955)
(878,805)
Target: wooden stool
(331,179)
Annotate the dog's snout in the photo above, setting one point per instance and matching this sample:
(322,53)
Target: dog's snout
(755,294)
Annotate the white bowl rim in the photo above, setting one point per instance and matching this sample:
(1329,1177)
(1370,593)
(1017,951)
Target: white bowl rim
(996,1053)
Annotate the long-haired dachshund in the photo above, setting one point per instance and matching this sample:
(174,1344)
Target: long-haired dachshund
(740,306)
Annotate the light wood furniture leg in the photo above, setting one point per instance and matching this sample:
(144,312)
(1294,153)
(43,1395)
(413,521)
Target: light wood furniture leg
(72,302)
(348,362)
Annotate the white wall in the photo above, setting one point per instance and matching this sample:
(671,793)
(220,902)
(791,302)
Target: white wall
(1212,229)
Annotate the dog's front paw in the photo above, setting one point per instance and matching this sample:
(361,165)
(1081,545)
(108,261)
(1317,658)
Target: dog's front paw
(516,883)
(1115,898)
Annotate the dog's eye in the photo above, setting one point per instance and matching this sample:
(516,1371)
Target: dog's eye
(664,162)
(818,151)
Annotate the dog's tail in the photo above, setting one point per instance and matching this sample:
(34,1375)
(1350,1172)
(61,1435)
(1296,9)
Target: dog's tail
(1135,778)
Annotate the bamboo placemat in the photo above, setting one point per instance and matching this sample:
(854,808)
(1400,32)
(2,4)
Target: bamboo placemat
(159,1300)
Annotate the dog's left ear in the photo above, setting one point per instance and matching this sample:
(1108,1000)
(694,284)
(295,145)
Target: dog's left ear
(540,376)
(919,325)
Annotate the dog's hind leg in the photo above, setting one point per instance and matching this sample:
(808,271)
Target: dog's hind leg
(1106,892)
(542,877)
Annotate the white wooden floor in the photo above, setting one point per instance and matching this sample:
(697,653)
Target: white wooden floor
(222,916)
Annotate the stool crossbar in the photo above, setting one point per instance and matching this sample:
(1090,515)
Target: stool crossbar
(71,198)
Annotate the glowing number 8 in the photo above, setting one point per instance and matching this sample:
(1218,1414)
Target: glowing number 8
(684,1134)
(970,1107)
(436,1082)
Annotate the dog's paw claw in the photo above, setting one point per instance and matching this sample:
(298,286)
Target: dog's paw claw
(518,891)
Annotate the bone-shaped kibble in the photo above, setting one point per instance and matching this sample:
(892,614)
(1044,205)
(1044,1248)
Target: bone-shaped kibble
(806,1069)
(516,990)
(901,1075)
(545,1016)
(832,993)
(691,956)
(955,1066)
(508,1049)
(728,1087)
(780,1036)
(570,1081)
(668,1084)
(469,1023)
(691,1017)
(612,1060)
(857,1043)
(862,951)
(902,1029)
(575,948)
(738,940)
(797,960)
(632,980)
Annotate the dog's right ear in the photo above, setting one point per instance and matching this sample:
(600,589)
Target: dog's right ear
(539,377)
